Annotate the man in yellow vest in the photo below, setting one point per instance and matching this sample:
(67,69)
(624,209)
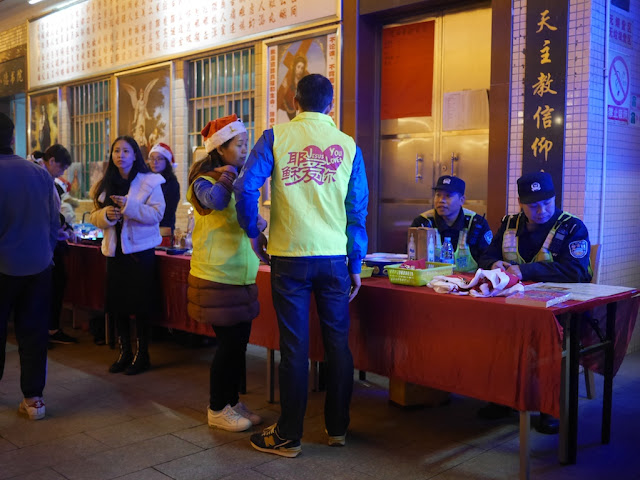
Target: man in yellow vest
(541,244)
(469,232)
(317,240)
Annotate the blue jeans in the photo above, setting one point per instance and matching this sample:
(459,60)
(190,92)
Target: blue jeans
(293,279)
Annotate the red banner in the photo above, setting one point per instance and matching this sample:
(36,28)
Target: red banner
(407,71)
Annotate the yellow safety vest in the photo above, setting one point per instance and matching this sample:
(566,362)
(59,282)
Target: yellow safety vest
(510,240)
(221,250)
(464,260)
(312,167)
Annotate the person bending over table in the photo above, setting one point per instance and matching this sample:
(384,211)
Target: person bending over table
(469,232)
(540,244)
(56,160)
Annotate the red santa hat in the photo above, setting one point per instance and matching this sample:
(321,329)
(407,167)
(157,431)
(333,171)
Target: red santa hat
(164,150)
(218,131)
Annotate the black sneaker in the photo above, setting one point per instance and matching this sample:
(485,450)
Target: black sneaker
(547,424)
(270,442)
(61,337)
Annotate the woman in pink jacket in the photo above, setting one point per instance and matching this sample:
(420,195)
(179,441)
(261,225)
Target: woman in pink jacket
(129,205)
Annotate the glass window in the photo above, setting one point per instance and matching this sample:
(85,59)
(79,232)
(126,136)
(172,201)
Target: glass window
(222,85)
(90,135)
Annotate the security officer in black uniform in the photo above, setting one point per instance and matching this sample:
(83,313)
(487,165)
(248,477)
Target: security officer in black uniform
(469,232)
(541,244)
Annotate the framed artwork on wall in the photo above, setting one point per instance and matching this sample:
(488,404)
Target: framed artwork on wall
(144,106)
(291,60)
(43,120)
(287,62)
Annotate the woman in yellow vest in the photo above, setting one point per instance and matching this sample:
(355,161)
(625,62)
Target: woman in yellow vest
(222,287)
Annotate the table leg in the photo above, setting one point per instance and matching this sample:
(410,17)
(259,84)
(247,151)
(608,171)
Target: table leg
(315,376)
(608,373)
(525,453)
(568,441)
(574,377)
(107,329)
(271,375)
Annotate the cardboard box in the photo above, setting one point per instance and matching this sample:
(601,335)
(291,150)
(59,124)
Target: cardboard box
(405,394)
(421,237)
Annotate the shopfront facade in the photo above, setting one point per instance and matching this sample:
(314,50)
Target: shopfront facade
(159,70)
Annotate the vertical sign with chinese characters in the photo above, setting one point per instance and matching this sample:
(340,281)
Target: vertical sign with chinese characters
(544,89)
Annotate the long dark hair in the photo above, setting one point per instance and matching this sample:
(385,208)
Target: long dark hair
(168,172)
(208,163)
(112,175)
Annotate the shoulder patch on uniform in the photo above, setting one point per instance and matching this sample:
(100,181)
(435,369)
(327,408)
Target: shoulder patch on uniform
(488,236)
(579,248)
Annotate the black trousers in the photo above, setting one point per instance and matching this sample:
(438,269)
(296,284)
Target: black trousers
(228,365)
(29,298)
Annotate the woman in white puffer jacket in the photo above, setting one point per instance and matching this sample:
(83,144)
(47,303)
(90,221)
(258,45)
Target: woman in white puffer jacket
(129,205)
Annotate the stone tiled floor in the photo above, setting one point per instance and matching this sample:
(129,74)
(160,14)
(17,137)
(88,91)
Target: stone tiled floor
(153,427)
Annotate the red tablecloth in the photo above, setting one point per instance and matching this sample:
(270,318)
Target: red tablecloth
(482,348)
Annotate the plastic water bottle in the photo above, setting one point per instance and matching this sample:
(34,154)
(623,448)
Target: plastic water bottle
(411,248)
(446,252)
(431,250)
(188,243)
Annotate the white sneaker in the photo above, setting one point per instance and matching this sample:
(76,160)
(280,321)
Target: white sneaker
(34,409)
(254,418)
(228,419)
(336,440)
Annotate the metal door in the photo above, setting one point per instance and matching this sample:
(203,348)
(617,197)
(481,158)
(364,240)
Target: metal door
(415,151)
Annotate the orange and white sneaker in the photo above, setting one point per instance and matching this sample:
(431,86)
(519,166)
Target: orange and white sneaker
(336,440)
(269,441)
(33,408)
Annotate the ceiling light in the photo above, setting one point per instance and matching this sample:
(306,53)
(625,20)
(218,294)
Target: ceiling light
(33,2)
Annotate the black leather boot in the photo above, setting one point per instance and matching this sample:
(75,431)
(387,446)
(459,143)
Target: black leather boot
(141,362)
(125,357)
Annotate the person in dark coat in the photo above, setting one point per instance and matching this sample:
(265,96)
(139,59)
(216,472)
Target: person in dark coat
(540,244)
(160,160)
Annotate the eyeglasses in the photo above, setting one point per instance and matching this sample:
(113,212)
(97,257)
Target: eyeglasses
(155,160)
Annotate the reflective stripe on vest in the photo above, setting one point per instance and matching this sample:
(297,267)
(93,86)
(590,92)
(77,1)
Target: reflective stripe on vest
(311,172)
(510,251)
(464,260)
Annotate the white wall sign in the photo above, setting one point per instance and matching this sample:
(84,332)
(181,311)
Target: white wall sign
(99,36)
(618,90)
(620,29)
